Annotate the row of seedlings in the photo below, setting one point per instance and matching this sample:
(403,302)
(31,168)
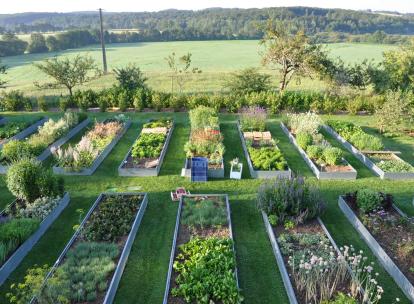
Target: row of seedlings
(263,156)
(49,136)
(90,267)
(202,265)
(148,151)
(87,155)
(387,231)
(40,198)
(206,142)
(325,161)
(17,130)
(313,268)
(369,149)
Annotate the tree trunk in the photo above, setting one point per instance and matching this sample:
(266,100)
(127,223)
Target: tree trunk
(70,91)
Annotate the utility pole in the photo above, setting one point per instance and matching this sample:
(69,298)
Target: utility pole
(105,67)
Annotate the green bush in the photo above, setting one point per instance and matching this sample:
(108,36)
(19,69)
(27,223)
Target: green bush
(102,103)
(332,155)
(368,200)
(28,180)
(42,104)
(290,199)
(15,150)
(138,100)
(314,151)
(304,140)
(64,103)
(14,101)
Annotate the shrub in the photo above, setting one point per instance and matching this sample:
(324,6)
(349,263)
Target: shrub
(304,123)
(15,150)
(14,101)
(42,104)
(314,151)
(138,100)
(203,118)
(28,180)
(368,200)
(290,199)
(63,103)
(332,155)
(304,140)
(102,103)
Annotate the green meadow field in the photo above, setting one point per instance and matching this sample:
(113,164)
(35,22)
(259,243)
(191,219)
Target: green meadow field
(216,59)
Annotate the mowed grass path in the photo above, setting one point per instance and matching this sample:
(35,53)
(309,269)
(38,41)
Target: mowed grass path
(217,59)
(144,277)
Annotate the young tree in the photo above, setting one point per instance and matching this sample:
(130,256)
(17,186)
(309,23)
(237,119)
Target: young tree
(180,68)
(291,55)
(3,69)
(69,72)
(131,78)
(37,44)
(248,81)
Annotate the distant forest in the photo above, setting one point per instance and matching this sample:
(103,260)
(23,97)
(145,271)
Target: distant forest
(81,28)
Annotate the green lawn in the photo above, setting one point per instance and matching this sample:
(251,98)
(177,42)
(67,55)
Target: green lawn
(145,274)
(217,59)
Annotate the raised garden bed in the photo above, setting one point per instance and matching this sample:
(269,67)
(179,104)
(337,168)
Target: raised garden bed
(98,160)
(115,248)
(380,237)
(151,166)
(261,174)
(55,145)
(214,171)
(200,229)
(19,254)
(365,158)
(343,171)
(24,133)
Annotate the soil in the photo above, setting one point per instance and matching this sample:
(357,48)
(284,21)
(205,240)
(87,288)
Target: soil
(312,227)
(138,163)
(185,234)
(335,168)
(385,235)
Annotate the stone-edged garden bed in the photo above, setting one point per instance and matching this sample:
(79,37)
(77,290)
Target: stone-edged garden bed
(365,158)
(207,232)
(98,160)
(385,239)
(128,166)
(19,254)
(110,251)
(343,171)
(26,132)
(257,173)
(55,145)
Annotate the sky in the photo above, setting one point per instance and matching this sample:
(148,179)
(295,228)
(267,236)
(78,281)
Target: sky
(19,6)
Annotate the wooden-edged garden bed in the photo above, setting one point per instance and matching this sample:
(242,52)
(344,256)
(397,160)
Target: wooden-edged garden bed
(261,174)
(93,237)
(19,254)
(98,160)
(365,158)
(188,230)
(128,167)
(344,171)
(386,241)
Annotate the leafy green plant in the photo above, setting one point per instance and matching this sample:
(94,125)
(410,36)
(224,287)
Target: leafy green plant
(204,213)
(148,145)
(332,155)
(304,123)
(267,158)
(368,200)
(341,298)
(395,166)
(304,140)
(203,118)
(290,199)
(12,128)
(159,123)
(112,219)
(205,270)
(314,151)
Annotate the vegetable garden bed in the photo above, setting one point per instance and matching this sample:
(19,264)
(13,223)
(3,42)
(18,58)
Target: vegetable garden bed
(19,254)
(203,244)
(96,252)
(55,145)
(147,166)
(365,158)
(261,174)
(24,133)
(343,171)
(98,160)
(387,224)
(216,171)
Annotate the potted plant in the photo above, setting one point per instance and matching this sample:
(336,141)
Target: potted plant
(236,169)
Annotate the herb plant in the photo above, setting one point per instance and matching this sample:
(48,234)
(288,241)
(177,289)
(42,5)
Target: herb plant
(204,213)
